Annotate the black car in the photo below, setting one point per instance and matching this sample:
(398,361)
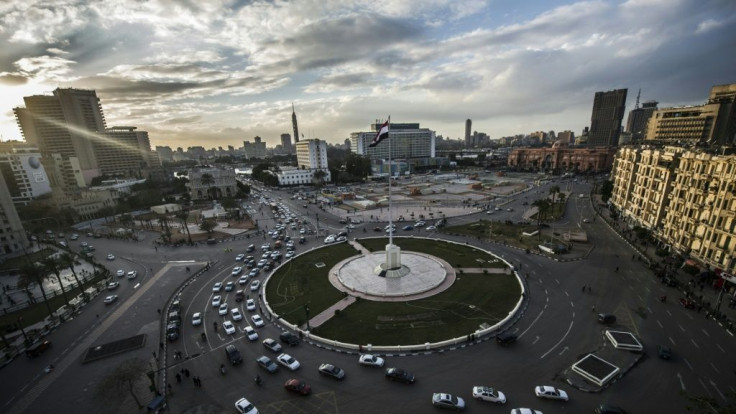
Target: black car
(398,374)
(331,371)
(172,331)
(506,338)
(233,354)
(606,318)
(289,339)
(609,409)
(664,352)
(38,349)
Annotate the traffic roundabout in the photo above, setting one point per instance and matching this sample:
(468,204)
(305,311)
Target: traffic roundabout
(448,292)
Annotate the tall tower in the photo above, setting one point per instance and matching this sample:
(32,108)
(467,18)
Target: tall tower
(294,124)
(638,118)
(605,122)
(468,125)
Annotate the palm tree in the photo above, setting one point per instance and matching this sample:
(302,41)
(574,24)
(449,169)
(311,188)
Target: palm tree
(183,215)
(33,273)
(319,177)
(51,264)
(69,261)
(543,206)
(554,190)
(208,180)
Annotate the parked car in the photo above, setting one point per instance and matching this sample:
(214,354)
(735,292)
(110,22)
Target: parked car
(664,352)
(197,319)
(606,318)
(525,411)
(38,349)
(228,327)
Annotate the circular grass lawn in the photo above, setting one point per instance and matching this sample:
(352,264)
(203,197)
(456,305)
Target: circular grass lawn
(475,300)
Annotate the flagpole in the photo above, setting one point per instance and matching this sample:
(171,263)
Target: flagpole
(390,177)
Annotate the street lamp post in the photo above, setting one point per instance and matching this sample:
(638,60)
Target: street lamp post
(306,310)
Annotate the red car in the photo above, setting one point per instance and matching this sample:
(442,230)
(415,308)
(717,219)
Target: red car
(298,386)
(687,303)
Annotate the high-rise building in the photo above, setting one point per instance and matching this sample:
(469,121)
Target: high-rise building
(123,151)
(311,156)
(286,143)
(468,126)
(605,122)
(13,239)
(712,123)
(165,153)
(67,123)
(255,149)
(406,140)
(638,119)
(686,197)
(294,124)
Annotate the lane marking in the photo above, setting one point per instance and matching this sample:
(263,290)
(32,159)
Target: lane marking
(710,394)
(560,341)
(682,383)
(717,390)
(714,368)
(688,364)
(681,328)
(694,343)
(671,340)
(660,324)
(719,347)
(705,332)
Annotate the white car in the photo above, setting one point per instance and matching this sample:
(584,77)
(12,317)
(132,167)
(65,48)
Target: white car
(257,321)
(237,270)
(419,224)
(430,228)
(217,286)
(290,254)
(222,311)
(329,239)
(113,285)
(197,319)
(488,394)
(228,327)
(371,360)
(237,316)
(341,239)
(110,257)
(110,299)
(545,391)
(245,407)
(243,280)
(229,286)
(120,273)
(525,411)
(216,300)
(288,361)
(250,304)
(255,285)
(251,333)
(240,257)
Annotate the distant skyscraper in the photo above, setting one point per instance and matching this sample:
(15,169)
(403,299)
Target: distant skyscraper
(608,112)
(468,126)
(636,123)
(66,123)
(14,240)
(286,143)
(294,124)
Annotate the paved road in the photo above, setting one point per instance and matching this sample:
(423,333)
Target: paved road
(558,325)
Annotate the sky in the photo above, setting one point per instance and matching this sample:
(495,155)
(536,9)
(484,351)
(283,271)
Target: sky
(219,72)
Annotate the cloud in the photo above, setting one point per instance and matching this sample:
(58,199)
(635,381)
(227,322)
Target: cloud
(12,79)
(45,67)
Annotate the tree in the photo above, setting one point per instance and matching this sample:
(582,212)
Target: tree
(33,273)
(358,165)
(554,190)
(68,261)
(183,215)
(319,178)
(208,225)
(208,180)
(123,379)
(543,206)
(51,264)
(606,190)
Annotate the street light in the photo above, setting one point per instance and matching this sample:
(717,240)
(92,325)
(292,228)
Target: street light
(306,310)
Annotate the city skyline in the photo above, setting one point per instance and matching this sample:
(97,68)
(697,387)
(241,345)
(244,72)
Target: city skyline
(199,75)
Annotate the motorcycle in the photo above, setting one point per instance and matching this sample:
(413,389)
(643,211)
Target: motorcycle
(258,380)
(222,369)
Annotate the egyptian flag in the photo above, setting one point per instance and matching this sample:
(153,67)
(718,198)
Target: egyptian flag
(380,135)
